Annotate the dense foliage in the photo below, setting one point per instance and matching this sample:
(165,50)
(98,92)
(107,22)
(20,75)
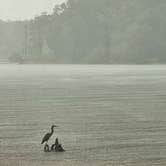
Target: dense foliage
(90,31)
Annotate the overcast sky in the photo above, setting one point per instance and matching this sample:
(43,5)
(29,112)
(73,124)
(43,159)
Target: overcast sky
(25,9)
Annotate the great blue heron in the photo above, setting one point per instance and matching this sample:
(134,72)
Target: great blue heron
(48,135)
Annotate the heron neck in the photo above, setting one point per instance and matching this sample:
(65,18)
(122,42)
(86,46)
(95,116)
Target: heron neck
(52,130)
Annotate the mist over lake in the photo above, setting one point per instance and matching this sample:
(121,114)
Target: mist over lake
(107,115)
(82,83)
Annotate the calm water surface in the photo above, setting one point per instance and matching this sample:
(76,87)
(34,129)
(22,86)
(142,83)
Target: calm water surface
(107,115)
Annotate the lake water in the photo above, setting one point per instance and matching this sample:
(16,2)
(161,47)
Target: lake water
(107,115)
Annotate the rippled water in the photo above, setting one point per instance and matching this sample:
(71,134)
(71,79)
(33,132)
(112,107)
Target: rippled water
(107,115)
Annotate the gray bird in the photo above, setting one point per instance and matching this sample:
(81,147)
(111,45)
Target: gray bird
(48,135)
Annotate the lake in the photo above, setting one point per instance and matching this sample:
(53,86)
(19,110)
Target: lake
(107,114)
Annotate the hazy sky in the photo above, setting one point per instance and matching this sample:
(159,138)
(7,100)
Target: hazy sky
(25,9)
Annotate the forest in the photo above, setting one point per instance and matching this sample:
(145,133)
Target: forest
(89,32)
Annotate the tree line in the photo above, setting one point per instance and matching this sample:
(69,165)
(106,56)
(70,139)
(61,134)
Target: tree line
(95,31)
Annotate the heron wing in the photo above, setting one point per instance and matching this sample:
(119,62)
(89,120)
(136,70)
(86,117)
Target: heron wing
(45,138)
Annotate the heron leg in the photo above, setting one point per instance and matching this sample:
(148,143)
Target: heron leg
(46,148)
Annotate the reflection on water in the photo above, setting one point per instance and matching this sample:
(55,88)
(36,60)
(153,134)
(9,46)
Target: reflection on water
(107,114)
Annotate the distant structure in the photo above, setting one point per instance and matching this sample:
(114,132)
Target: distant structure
(45,49)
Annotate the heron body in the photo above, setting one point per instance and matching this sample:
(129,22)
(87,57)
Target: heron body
(48,135)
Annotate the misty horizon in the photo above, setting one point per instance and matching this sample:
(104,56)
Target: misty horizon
(88,32)
(82,82)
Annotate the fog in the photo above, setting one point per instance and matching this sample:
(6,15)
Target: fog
(25,9)
(83,32)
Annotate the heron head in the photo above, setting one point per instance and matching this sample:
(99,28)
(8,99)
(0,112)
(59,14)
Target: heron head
(53,126)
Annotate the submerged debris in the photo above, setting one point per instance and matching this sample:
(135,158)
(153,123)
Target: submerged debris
(56,147)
